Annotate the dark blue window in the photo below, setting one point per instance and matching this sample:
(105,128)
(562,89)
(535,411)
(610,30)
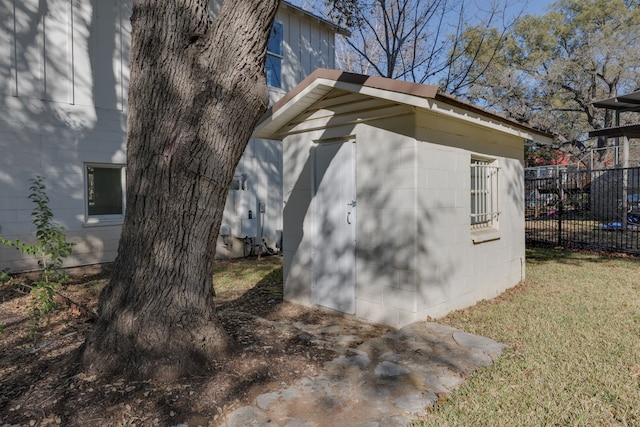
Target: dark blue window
(104,191)
(274,56)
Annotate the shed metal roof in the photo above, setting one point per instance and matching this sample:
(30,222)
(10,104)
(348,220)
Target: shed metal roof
(324,81)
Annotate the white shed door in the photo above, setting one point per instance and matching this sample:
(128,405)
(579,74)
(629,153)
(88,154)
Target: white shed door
(334,225)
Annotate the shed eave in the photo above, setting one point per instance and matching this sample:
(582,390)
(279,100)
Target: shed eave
(319,83)
(488,121)
(281,114)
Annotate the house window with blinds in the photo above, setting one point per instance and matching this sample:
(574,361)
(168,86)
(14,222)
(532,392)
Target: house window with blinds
(484,194)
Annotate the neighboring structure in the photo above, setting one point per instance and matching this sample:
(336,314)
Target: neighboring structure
(63,91)
(616,193)
(400,202)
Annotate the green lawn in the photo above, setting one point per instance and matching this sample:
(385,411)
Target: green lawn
(573,331)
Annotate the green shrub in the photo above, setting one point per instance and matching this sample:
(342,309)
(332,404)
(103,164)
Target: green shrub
(51,249)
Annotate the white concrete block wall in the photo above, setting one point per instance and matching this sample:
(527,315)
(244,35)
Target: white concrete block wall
(455,272)
(375,185)
(415,255)
(297,240)
(387,222)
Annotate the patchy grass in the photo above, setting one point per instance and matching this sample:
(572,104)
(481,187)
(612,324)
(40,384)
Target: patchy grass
(232,278)
(573,328)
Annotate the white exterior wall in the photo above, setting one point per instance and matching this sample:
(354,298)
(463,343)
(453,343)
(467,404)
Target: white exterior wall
(386,250)
(454,272)
(297,237)
(63,86)
(307,44)
(63,103)
(387,233)
(415,255)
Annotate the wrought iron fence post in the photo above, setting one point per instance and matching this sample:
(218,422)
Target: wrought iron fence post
(592,209)
(560,206)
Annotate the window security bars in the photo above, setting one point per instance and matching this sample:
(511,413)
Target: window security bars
(484,194)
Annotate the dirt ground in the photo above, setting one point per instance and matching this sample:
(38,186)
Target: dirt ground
(39,387)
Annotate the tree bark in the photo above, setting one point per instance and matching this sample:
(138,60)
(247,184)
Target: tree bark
(197,89)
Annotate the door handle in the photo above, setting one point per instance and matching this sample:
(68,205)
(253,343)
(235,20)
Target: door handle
(348,217)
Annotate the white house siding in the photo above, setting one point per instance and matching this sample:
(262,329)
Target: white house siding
(63,86)
(307,43)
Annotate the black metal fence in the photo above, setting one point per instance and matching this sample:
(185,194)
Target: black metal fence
(592,209)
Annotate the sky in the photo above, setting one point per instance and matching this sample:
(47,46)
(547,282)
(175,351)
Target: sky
(535,7)
(531,7)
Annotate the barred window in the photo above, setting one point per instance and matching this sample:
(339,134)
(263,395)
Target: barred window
(484,194)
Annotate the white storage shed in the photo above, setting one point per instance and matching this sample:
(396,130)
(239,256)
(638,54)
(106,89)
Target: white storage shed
(401,202)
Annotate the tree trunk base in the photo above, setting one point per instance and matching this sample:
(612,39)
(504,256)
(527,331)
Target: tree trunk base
(165,354)
(197,88)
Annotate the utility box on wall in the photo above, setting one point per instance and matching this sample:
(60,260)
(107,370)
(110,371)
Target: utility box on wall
(248,228)
(246,204)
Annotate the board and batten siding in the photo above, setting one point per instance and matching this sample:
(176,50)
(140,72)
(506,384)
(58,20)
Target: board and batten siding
(63,87)
(64,51)
(64,68)
(307,44)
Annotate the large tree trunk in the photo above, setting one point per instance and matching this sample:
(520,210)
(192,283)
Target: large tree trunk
(197,89)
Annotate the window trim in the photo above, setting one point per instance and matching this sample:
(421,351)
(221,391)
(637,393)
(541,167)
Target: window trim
(103,220)
(488,229)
